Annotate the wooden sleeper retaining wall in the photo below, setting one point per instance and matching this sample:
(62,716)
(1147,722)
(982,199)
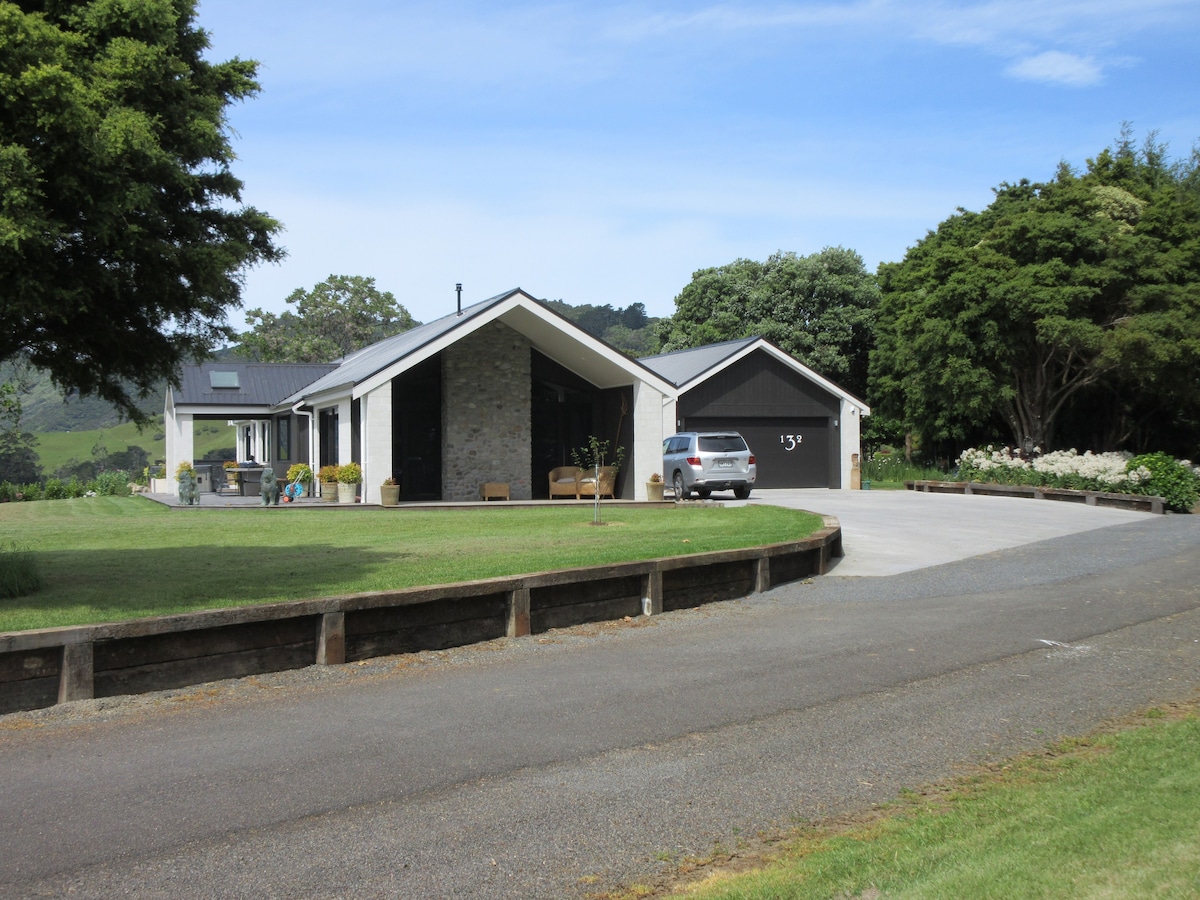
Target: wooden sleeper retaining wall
(1141,502)
(54,665)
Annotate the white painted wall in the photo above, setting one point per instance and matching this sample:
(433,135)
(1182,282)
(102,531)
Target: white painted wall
(180,444)
(850,430)
(376,440)
(345,433)
(648,436)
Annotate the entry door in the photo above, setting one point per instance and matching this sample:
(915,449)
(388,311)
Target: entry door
(790,453)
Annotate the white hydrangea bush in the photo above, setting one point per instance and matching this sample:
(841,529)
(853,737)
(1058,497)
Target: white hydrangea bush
(1086,471)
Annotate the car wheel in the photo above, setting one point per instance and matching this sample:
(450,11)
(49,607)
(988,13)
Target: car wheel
(681,493)
(704,493)
(741,493)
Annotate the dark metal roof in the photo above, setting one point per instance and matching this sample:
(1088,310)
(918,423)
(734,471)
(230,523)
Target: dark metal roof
(362,364)
(259,384)
(682,366)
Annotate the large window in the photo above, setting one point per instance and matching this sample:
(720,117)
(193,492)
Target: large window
(284,438)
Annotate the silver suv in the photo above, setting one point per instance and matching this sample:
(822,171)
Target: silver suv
(709,461)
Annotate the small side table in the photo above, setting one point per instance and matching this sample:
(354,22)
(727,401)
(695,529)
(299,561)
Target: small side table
(493,490)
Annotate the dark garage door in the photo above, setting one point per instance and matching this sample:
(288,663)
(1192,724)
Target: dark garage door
(790,453)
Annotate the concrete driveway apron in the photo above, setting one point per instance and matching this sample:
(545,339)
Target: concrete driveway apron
(888,532)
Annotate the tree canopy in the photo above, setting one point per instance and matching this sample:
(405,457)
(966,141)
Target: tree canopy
(628,329)
(338,316)
(819,308)
(1075,300)
(123,238)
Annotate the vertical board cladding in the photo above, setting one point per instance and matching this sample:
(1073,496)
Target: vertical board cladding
(486,403)
(787,419)
(29,678)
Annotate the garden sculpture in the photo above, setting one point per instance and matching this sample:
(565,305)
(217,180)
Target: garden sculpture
(189,494)
(269,487)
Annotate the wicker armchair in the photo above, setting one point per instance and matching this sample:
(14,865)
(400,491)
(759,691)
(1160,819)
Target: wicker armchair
(608,481)
(564,482)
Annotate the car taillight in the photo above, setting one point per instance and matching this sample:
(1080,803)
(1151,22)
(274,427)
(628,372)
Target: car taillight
(751,460)
(693,461)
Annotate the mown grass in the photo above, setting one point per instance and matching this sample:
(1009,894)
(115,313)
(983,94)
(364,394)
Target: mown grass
(113,558)
(56,449)
(1112,816)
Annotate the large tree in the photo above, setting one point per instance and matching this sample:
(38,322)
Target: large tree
(122,235)
(18,448)
(1080,292)
(819,308)
(339,315)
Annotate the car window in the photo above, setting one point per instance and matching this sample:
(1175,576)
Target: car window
(722,443)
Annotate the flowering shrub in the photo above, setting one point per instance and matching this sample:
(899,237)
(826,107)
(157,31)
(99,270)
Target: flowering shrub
(1155,474)
(1175,480)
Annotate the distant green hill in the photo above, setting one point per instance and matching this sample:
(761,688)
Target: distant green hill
(75,429)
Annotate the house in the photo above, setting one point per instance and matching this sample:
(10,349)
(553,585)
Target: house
(501,391)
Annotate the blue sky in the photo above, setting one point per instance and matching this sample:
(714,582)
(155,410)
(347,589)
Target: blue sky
(602,152)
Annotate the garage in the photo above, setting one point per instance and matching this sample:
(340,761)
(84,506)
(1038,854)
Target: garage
(789,452)
(802,428)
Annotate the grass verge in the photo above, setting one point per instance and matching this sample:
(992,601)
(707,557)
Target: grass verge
(109,559)
(1115,815)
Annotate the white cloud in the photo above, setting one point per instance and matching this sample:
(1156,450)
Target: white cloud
(1058,68)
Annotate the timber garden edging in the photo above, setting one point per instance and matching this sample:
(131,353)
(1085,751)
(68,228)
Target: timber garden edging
(1091,498)
(54,665)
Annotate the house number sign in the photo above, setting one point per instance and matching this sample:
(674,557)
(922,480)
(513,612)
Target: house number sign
(791,441)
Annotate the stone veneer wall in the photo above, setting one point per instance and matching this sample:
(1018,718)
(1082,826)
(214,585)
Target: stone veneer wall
(486,402)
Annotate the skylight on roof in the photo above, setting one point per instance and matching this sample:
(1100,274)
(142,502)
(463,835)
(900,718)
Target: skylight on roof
(223,379)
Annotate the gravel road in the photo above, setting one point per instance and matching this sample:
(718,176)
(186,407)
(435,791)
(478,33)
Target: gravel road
(573,762)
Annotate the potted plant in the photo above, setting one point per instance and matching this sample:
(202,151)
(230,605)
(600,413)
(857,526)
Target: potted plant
(389,492)
(349,476)
(654,488)
(328,476)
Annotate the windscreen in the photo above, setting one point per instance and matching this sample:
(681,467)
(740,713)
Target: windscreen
(722,443)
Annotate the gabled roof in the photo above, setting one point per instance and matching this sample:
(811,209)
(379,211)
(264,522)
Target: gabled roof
(552,334)
(681,366)
(687,368)
(258,384)
(362,364)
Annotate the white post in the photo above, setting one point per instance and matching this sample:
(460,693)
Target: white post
(377,440)
(345,433)
(849,438)
(180,442)
(649,414)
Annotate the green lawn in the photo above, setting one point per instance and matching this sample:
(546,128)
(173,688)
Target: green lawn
(1112,816)
(58,448)
(112,558)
